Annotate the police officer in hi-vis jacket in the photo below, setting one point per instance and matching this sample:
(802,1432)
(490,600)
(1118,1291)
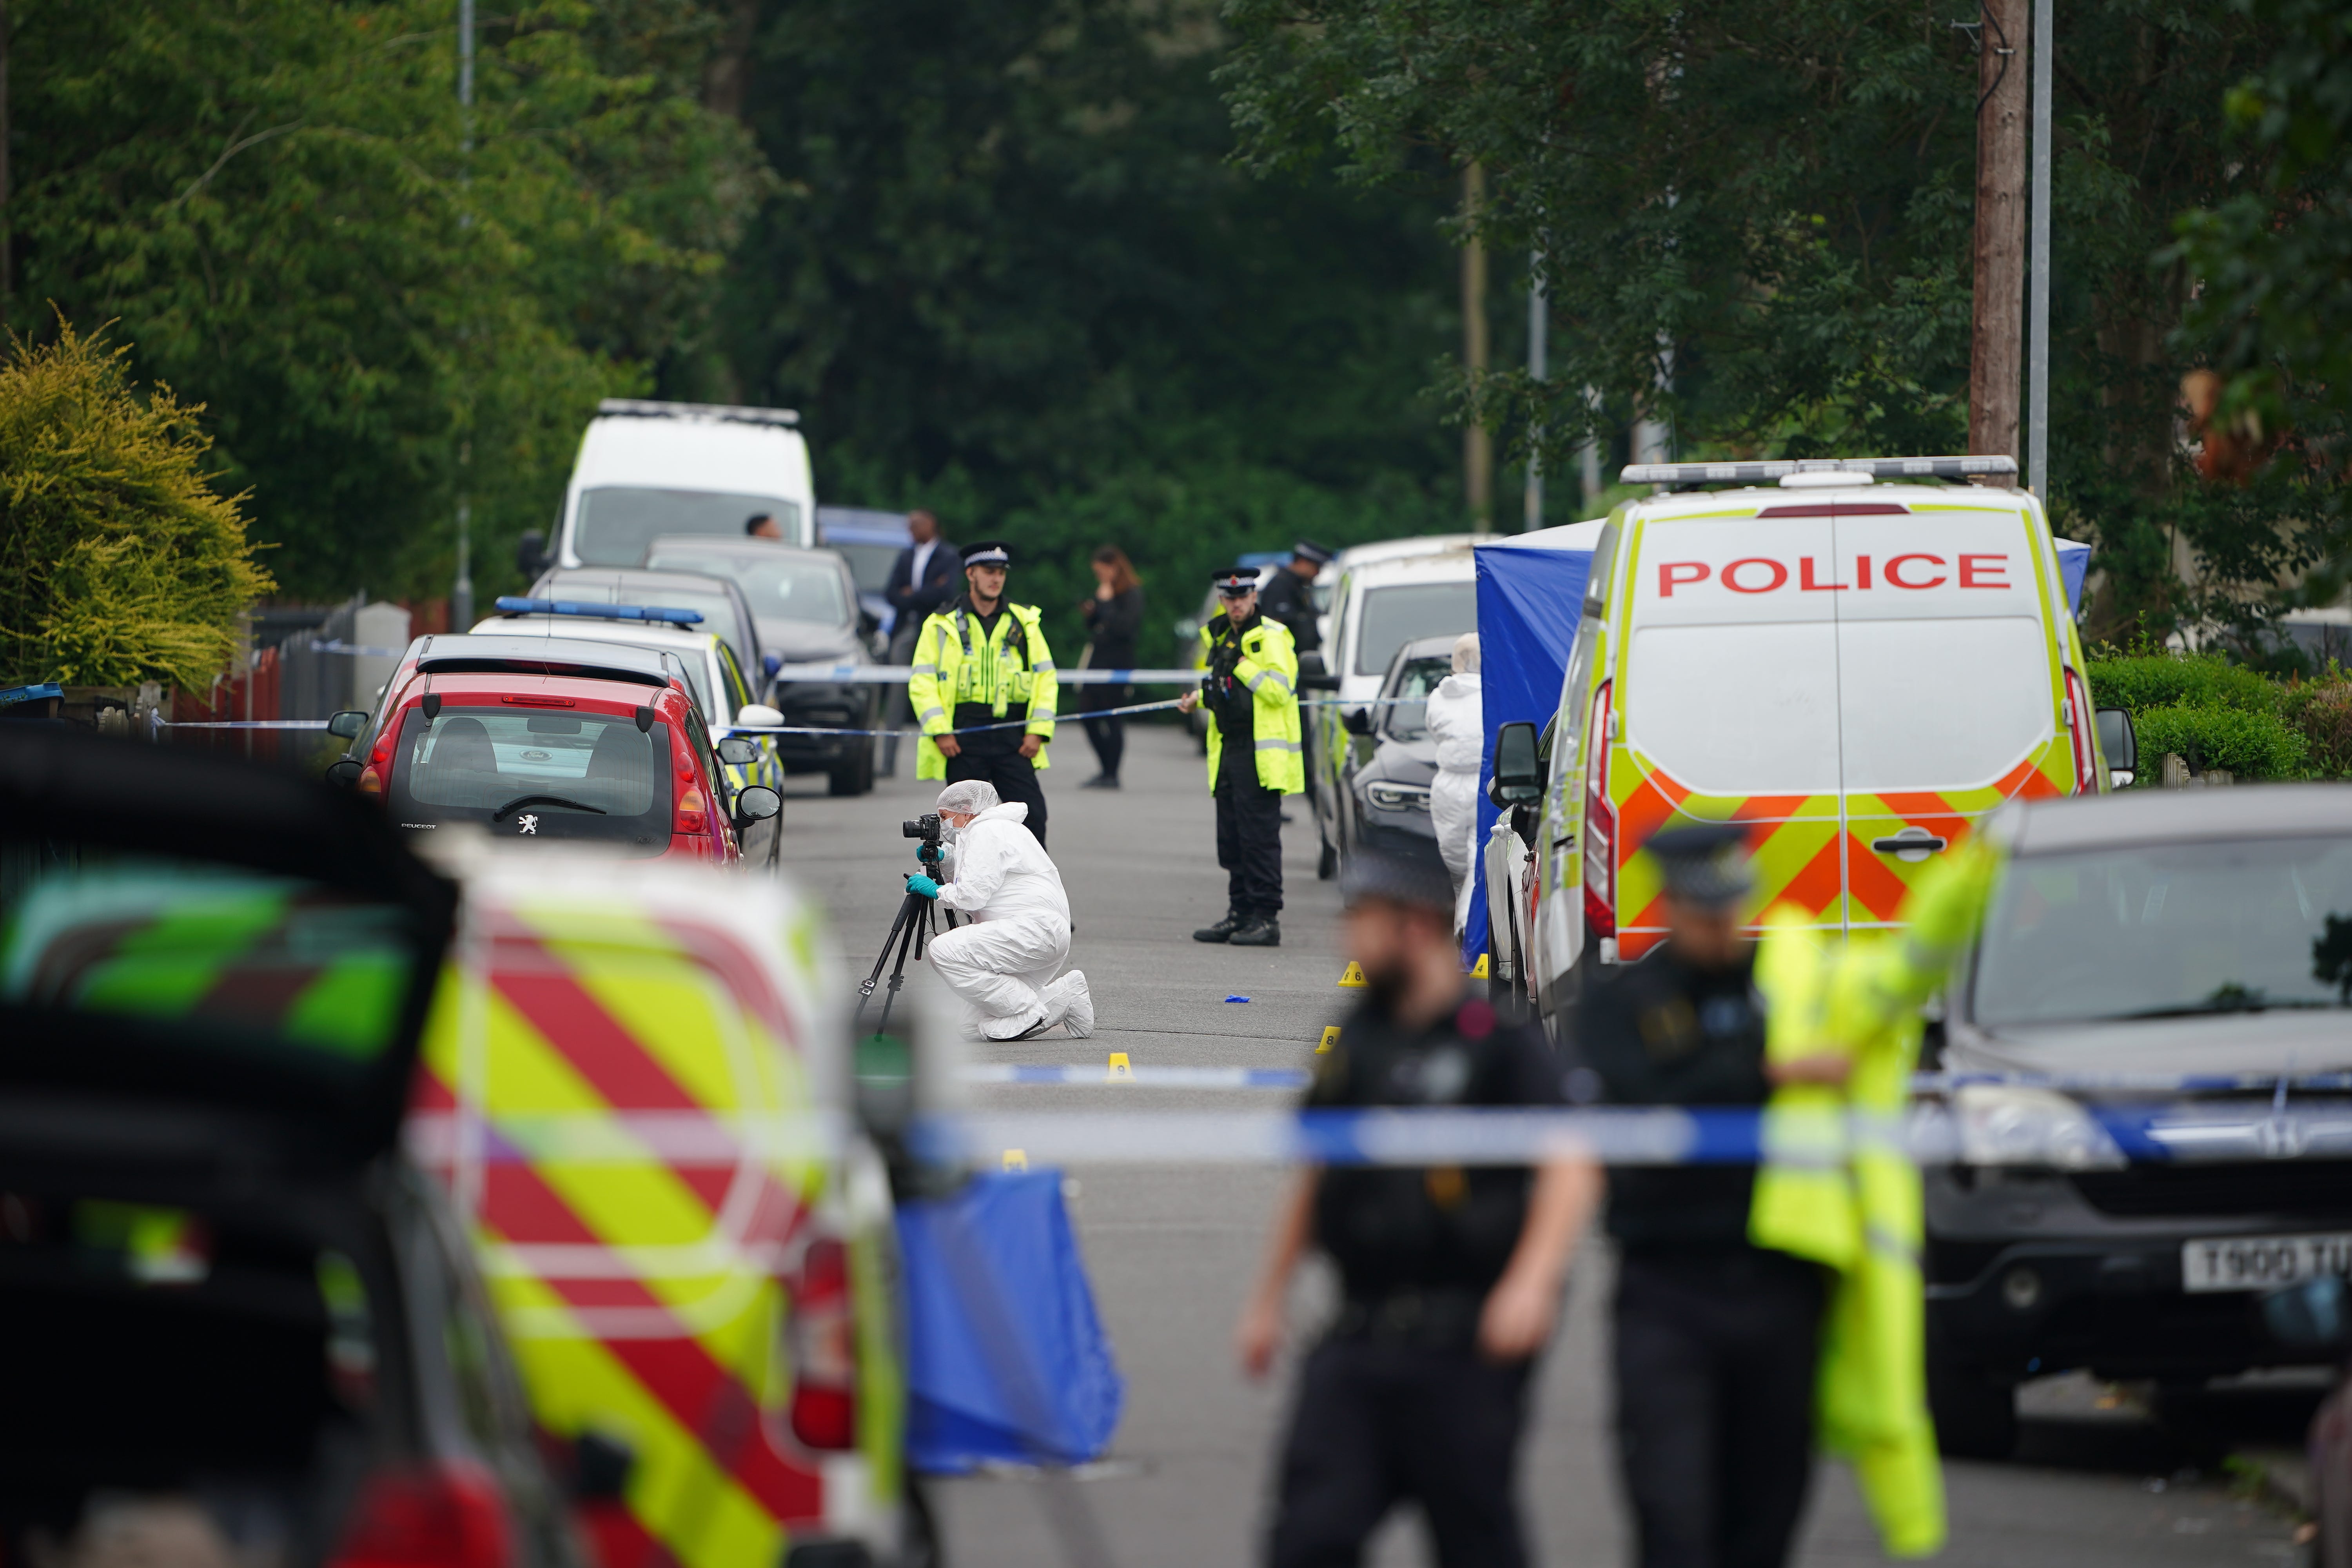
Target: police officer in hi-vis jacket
(1255,757)
(982,662)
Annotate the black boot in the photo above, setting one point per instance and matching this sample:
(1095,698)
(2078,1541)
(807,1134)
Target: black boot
(1260,931)
(1222,930)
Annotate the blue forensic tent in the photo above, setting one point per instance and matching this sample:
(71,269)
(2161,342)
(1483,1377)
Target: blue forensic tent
(1006,1359)
(1531,596)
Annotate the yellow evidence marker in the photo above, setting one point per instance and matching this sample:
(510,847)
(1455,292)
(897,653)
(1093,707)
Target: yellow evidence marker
(1118,1072)
(1355,975)
(1478,971)
(1016,1160)
(1330,1039)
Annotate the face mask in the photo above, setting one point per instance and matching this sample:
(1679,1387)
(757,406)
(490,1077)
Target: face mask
(950,831)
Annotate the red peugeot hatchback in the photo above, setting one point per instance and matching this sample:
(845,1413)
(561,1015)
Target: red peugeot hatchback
(558,741)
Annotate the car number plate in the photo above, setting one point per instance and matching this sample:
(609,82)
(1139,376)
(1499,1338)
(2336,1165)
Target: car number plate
(2263,1262)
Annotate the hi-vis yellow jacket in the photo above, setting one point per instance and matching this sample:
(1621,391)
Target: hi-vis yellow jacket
(1837,1186)
(1269,666)
(956,663)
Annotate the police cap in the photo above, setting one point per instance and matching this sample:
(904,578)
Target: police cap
(1234,581)
(1309,551)
(1415,881)
(988,552)
(1705,863)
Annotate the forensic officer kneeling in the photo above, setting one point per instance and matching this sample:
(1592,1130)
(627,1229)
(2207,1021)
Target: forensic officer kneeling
(1003,964)
(1450,1276)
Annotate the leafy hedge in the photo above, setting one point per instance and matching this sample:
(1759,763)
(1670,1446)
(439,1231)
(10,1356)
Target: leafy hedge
(2217,714)
(119,562)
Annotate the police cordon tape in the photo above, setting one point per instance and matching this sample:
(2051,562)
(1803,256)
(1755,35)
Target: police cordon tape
(2057,1134)
(1920,1082)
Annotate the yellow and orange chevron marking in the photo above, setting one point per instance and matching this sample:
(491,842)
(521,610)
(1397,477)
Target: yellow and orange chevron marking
(635,1269)
(1804,856)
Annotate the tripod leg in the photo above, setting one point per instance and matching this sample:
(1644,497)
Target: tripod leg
(918,921)
(900,929)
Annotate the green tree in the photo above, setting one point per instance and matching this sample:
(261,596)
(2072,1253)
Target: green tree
(118,561)
(278,200)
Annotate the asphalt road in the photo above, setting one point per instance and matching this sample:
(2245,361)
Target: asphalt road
(1171,1249)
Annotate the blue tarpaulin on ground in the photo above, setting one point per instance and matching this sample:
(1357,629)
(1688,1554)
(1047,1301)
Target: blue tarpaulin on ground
(1530,594)
(1006,1360)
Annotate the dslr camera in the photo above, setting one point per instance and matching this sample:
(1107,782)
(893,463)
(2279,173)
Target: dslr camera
(926,828)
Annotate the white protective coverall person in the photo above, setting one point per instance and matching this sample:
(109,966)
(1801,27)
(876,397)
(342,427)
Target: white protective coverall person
(1004,963)
(1457,728)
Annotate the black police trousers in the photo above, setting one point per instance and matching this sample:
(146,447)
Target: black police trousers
(1715,1359)
(1381,1421)
(1000,762)
(1249,841)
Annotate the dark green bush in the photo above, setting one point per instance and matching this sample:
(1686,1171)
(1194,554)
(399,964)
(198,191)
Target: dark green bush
(2142,681)
(2248,744)
(2322,711)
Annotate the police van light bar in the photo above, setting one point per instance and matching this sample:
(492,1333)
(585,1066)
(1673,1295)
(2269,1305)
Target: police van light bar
(512,605)
(1764,473)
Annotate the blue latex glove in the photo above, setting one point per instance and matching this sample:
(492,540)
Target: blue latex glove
(924,886)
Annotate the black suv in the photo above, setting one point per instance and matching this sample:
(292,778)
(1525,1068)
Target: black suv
(243,1328)
(2193,949)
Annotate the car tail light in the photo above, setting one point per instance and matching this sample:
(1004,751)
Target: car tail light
(446,1516)
(693,811)
(823,1341)
(2079,731)
(371,783)
(1600,824)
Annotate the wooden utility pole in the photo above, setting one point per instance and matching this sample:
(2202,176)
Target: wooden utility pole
(1478,448)
(1997,353)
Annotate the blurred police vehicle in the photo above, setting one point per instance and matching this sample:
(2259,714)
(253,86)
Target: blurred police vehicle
(724,607)
(638,1089)
(245,1328)
(1379,607)
(2191,938)
(649,468)
(1327,581)
(807,609)
(1385,776)
(1861,671)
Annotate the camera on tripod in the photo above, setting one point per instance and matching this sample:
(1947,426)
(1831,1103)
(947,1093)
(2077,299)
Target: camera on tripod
(924,828)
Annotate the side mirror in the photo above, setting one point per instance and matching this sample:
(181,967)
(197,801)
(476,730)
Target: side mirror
(738,751)
(345,772)
(347,725)
(2316,1315)
(1311,662)
(1357,721)
(600,1467)
(757,716)
(869,623)
(2121,745)
(1320,682)
(1519,776)
(530,553)
(769,663)
(757,803)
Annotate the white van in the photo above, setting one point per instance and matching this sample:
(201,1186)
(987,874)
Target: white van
(646,470)
(1858,671)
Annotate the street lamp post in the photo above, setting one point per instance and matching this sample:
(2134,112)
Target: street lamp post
(1538,330)
(2037,349)
(461,591)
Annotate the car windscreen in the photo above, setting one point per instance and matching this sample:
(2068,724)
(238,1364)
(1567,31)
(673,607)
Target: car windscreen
(616,522)
(552,776)
(869,563)
(234,958)
(789,588)
(1408,719)
(1409,612)
(2168,930)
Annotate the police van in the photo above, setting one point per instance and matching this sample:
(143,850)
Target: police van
(1857,659)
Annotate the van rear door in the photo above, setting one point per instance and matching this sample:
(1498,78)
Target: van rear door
(1949,687)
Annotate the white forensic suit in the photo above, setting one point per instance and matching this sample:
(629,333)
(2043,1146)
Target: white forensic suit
(1457,728)
(1003,964)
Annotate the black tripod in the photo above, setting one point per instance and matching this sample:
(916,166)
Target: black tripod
(909,933)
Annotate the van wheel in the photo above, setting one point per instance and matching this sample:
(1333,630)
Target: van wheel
(1976,1413)
(854,776)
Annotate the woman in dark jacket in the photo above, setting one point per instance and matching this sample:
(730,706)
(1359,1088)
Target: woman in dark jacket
(1114,617)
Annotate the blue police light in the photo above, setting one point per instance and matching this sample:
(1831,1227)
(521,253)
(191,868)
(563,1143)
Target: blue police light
(513,606)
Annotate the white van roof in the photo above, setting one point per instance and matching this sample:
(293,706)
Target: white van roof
(688,445)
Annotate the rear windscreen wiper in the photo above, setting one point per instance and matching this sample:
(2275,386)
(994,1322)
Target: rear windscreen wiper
(500,814)
(2225,1004)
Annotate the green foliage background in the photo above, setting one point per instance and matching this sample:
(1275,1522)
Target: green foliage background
(118,563)
(2218,714)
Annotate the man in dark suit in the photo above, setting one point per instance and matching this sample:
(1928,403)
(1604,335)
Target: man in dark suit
(927,574)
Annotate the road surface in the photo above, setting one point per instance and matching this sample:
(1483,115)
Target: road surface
(1171,1249)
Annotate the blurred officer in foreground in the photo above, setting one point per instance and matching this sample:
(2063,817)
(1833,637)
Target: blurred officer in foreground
(1451,1277)
(1289,596)
(1254,755)
(981,660)
(1716,1339)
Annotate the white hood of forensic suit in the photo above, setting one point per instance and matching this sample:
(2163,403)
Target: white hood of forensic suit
(1002,872)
